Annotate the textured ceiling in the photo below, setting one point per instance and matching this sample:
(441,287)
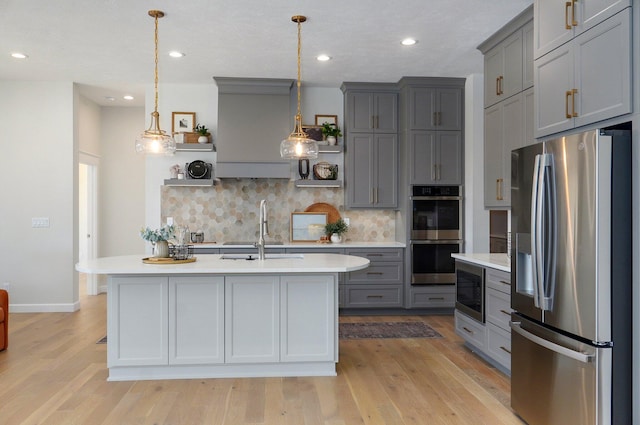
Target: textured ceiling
(107,46)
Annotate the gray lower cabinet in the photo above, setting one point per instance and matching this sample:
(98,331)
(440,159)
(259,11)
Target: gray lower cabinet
(433,296)
(492,339)
(341,278)
(587,79)
(372,170)
(381,285)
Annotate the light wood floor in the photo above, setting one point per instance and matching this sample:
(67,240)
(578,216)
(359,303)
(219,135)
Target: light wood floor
(55,373)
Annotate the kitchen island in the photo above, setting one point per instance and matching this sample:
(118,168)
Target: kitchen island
(220,317)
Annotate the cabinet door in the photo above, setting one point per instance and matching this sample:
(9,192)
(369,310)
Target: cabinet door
(138,321)
(252,319)
(551,19)
(386,171)
(592,12)
(422,152)
(308,319)
(493,60)
(359,174)
(602,70)
(449,145)
(449,109)
(512,73)
(527,56)
(435,109)
(196,320)
(553,75)
(359,113)
(386,112)
(493,193)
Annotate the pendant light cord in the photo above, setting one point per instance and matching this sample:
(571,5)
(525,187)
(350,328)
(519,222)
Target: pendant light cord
(155,40)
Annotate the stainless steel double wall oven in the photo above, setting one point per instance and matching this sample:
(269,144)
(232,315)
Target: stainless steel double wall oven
(436,233)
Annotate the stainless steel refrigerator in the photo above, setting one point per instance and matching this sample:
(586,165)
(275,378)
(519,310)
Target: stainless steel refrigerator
(571,280)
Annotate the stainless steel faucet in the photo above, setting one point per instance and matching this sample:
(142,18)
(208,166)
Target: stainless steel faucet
(264,229)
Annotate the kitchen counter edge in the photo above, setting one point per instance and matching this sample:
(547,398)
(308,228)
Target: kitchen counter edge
(495,261)
(309,245)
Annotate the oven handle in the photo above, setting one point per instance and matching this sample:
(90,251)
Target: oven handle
(436,198)
(435,242)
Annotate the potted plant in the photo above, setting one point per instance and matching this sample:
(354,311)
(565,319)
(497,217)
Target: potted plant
(159,239)
(336,229)
(331,132)
(203,132)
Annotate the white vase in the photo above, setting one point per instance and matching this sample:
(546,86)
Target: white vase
(162,249)
(332,140)
(336,238)
(203,139)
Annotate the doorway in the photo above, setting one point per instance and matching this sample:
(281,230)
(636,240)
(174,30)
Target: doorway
(87,215)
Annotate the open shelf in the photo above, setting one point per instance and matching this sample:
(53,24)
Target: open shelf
(330,148)
(195,147)
(188,182)
(318,183)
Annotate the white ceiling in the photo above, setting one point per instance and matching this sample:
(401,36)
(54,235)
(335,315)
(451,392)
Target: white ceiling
(106,46)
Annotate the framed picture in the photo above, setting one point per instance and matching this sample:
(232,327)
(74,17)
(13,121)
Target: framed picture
(307,226)
(331,119)
(183,122)
(314,132)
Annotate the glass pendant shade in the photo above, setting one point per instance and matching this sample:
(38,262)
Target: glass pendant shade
(298,145)
(154,140)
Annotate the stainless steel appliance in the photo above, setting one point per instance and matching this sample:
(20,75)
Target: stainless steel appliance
(470,290)
(571,273)
(436,233)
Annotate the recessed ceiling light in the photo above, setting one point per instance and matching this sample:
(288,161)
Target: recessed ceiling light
(176,54)
(19,55)
(110,98)
(127,97)
(323,58)
(409,42)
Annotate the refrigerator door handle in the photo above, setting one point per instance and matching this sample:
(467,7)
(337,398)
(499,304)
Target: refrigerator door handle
(567,352)
(536,224)
(550,230)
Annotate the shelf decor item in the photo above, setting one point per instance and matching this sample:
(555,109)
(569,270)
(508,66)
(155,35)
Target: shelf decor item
(298,145)
(203,132)
(331,132)
(307,226)
(154,140)
(183,122)
(336,230)
(325,171)
(159,239)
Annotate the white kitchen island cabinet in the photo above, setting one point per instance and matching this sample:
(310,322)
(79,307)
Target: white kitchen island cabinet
(223,318)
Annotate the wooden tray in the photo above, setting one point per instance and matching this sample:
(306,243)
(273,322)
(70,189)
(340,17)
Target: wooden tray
(332,213)
(167,260)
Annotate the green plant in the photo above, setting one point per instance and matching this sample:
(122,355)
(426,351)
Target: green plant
(202,130)
(338,227)
(162,234)
(329,129)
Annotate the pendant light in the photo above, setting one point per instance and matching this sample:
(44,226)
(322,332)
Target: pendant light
(153,140)
(298,145)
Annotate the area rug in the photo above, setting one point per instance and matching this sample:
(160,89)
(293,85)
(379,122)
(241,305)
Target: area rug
(363,330)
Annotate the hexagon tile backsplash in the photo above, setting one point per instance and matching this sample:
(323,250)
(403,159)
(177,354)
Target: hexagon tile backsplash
(228,211)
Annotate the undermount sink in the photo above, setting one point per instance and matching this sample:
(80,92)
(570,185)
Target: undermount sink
(250,257)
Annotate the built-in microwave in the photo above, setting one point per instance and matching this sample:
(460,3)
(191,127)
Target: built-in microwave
(470,290)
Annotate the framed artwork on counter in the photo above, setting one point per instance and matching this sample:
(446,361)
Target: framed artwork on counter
(307,226)
(183,122)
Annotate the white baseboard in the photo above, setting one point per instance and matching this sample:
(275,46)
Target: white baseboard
(44,308)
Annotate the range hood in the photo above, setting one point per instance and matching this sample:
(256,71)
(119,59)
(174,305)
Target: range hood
(254,116)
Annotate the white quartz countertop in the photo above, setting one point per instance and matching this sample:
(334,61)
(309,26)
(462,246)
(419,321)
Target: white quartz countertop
(495,261)
(348,244)
(214,264)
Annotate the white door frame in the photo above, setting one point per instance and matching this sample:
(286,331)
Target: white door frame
(92,162)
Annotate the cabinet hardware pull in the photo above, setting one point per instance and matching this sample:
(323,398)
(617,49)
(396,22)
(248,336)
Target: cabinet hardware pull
(375,296)
(567,25)
(433,172)
(375,273)
(371,196)
(505,282)
(501,84)
(466,329)
(434,119)
(499,189)
(573,102)
(566,103)
(505,312)
(498,86)
(375,195)
(374,255)
(438,168)
(439,118)
(505,349)
(573,13)
(436,298)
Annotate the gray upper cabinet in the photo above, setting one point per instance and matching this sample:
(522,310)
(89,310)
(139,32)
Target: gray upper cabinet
(509,114)
(436,157)
(371,152)
(372,165)
(435,108)
(372,112)
(558,21)
(587,79)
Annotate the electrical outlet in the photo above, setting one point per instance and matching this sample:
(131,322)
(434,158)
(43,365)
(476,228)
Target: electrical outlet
(169,221)
(346,220)
(39,222)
